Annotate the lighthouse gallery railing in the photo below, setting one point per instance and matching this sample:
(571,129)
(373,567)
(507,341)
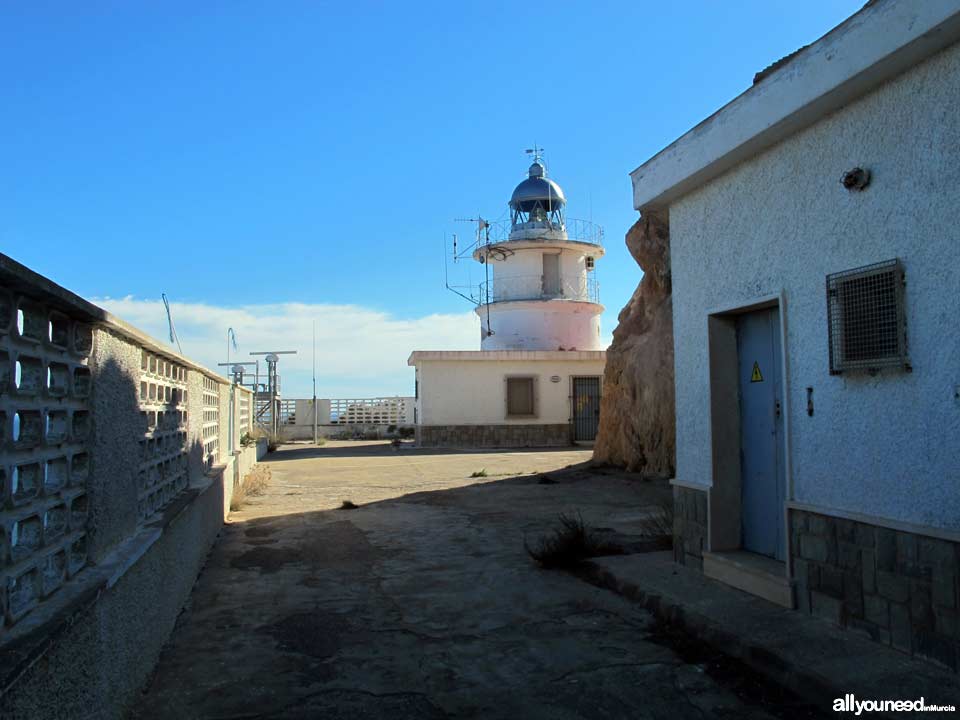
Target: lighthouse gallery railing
(532,287)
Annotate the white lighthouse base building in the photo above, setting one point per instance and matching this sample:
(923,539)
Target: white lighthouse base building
(538,376)
(507,398)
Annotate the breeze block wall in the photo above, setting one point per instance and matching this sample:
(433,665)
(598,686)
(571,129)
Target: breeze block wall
(112,491)
(899,587)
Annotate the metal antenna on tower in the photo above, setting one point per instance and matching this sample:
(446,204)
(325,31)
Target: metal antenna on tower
(173,330)
(231,340)
(268,403)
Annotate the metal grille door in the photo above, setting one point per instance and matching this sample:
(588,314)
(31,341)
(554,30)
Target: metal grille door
(586,408)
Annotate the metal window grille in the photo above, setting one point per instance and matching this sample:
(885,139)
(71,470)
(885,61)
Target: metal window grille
(867,326)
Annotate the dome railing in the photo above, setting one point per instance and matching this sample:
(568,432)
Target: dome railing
(535,287)
(577,230)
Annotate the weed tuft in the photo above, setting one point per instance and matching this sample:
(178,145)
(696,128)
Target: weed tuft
(253,485)
(348,505)
(569,545)
(482,472)
(658,523)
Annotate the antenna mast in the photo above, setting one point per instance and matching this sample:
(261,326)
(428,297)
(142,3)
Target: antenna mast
(173,330)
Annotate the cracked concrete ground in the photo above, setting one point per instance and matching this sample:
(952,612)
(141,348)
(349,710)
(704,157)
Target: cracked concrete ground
(422,603)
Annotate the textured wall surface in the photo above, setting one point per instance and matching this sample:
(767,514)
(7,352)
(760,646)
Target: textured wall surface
(101,659)
(902,589)
(473,436)
(109,500)
(884,445)
(637,411)
(689,526)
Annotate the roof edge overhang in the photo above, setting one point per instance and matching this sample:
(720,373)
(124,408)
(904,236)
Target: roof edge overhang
(418,356)
(879,42)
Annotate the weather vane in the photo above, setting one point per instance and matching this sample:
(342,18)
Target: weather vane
(536,151)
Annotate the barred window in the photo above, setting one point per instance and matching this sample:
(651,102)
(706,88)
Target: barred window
(867,328)
(521,397)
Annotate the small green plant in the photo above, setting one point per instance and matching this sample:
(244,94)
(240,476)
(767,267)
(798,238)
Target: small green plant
(348,505)
(569,545)
(482,472)
(246,440)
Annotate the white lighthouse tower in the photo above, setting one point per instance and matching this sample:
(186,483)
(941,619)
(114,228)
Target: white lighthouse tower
(543,294)
(537,379)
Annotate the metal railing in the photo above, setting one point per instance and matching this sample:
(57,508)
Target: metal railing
(576,230)
(533,287)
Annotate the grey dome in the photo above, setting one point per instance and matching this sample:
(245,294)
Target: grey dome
(537,190)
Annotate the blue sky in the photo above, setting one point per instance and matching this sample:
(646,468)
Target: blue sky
(268,164)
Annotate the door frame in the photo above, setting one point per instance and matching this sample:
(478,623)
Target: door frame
(572,406)
(724,512)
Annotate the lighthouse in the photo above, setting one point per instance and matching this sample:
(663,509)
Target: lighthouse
(543,294)
(537,379)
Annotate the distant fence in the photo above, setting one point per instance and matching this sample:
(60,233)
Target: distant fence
(109,442)
(375,417)
(361,411)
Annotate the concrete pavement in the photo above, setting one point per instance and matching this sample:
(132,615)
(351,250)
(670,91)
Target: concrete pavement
(422,603)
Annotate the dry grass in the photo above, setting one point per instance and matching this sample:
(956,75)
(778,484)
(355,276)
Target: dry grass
(253,485)
(482,472)
(569,545)
(659,522)
(348,505)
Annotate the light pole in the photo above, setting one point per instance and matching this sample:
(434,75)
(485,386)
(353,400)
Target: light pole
(314,382)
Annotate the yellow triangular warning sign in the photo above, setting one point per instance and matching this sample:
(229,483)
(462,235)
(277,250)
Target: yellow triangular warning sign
(756,376)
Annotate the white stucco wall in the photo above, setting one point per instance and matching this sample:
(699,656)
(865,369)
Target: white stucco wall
(526,264)
(541,325)
(465,392)
(887,446)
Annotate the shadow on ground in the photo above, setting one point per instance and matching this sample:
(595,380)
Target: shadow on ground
(425,605)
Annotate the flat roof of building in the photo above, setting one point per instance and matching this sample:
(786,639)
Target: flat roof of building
(500,355)
(882,40)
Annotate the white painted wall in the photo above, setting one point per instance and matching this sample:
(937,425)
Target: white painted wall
(889,445)
(464,392)
(528,263)
(541,325)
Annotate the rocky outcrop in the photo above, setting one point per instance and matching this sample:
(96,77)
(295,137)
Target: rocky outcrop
(637,428)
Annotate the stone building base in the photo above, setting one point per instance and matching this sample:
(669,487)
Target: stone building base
(689,526)
(526,435)
(899,587)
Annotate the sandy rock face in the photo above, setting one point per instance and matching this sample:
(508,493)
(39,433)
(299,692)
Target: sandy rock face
(637,421)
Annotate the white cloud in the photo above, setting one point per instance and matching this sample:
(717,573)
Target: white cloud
(360,352)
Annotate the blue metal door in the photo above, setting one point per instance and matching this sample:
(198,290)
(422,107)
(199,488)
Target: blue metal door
(761,433)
